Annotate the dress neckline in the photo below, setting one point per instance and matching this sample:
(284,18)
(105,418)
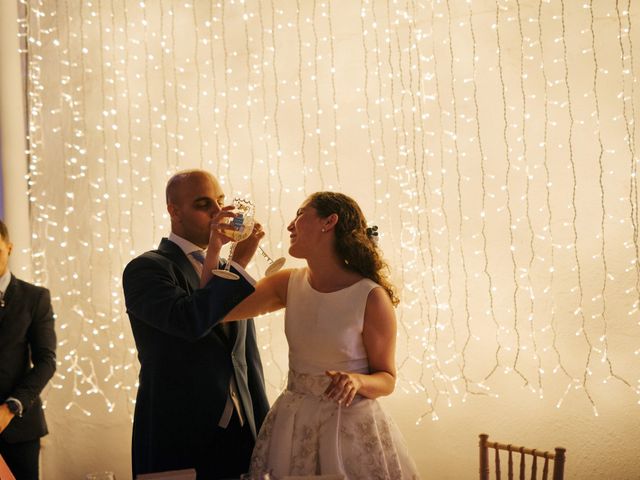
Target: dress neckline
(308,282)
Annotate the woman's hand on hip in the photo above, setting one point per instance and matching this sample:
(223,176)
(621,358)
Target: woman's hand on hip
(343,387)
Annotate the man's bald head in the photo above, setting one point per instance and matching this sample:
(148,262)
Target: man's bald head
(180,182)
(193,197)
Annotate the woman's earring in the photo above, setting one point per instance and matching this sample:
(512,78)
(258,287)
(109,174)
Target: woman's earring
(323,230)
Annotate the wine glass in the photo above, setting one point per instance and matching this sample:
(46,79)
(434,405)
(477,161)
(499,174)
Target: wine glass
(242,225)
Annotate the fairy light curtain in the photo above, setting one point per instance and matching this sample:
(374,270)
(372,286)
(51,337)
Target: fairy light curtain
(492,142)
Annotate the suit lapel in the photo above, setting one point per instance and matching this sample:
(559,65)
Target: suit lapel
(175,253)
(8,296)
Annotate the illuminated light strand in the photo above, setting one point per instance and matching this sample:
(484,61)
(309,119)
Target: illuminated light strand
(367,110)
(214,85)
(94,313)
(633,178)
(249,101)
(525,156)
(334,103)
(550,217)
(400,136)
(165,117)
(265,121)
(113,283)
(483,224)
(603,255)
(120,194)
(126,358)
(25,36)
(421,184)
(575,215)
(226,156)
(129,129)
(432,347)
(455,356)
(383,157)
(457,155)
(169,86)
(33,102)
(176,97)
(65,100)
(152,193)
(433,324)
(441,190)
(508,204)
(508,178)
(276,118)
(632,139)
(303,132)
(398,150)
(393,239)
(196,63)
(317,94)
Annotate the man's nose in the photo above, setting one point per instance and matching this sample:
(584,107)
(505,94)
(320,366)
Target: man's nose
(214,209)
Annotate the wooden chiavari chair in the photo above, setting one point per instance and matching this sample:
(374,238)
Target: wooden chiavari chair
(558,458)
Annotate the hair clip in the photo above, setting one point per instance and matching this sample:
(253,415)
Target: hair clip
(372,233)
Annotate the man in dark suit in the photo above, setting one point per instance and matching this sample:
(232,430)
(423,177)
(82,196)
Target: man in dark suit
(27,362)
(201,397)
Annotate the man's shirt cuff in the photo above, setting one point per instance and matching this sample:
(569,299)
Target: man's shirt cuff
(244,273)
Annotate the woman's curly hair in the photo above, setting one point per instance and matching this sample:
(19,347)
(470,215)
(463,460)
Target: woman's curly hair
(358,250)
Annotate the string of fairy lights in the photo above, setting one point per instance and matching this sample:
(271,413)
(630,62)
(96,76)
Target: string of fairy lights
(493,143)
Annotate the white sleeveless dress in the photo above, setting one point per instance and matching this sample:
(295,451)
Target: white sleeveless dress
(307,434)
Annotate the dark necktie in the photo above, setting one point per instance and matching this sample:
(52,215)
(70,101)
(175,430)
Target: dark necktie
(198,255)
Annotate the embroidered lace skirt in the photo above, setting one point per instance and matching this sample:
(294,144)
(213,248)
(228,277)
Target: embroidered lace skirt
(306,434)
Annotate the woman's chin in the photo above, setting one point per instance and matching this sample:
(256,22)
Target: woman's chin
(293,253)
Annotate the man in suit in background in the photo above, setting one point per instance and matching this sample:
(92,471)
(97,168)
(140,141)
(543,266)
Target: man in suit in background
(27,363)
(201,397)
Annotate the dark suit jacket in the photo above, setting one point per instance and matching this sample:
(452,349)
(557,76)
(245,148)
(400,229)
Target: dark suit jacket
(27,356)
(186,360)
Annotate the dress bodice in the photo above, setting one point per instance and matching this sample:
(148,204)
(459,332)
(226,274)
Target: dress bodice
(324,330)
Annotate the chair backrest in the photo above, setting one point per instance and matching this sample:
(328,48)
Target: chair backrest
(558,458)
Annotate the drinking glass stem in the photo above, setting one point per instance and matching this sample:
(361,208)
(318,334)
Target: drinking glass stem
(227,265)
(265,255)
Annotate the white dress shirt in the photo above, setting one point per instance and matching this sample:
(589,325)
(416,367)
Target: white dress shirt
(5,278)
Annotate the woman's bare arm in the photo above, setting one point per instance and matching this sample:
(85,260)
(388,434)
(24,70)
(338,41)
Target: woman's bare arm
(270,295)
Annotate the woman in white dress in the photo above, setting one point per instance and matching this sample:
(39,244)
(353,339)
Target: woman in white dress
(341,329)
